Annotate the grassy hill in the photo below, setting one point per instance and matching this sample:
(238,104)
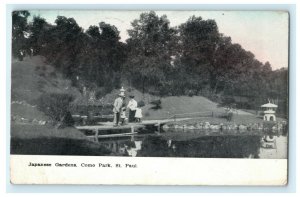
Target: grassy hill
(169,105)
(172,105)
(30,79)
(181,105)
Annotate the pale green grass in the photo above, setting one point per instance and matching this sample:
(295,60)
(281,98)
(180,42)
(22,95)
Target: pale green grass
(27,112)
(32,77)
(180,105)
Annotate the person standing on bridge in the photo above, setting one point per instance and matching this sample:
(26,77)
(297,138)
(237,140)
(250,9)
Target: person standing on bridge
(123,114)
(138,114)
(132,105)
(117,108)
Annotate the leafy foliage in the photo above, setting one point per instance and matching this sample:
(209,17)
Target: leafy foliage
(150,51)
(19,33)
(191,59)
(57,107)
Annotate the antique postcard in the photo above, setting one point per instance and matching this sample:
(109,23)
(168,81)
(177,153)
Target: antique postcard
(149,97)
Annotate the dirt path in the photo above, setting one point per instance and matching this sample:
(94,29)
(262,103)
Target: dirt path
(241,112)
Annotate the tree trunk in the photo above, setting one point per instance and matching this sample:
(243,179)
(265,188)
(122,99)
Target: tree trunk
(213,81)
(215,88)
(143,86)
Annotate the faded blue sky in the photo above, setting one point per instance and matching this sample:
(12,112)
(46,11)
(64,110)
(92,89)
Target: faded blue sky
(264,33)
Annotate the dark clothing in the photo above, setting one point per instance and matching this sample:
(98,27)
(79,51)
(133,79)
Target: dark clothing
(116,118)
(131,116)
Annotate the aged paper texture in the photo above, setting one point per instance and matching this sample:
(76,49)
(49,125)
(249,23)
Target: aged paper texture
(149,97)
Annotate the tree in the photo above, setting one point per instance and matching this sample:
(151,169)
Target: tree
(101,59)
(150,52)
(199,41)
(193,58)
(37,28)
(94,32)
(19,33)
(64,43)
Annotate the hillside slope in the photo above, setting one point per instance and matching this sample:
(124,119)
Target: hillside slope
(171,105)
(29,132)
(181,105)
(31,78)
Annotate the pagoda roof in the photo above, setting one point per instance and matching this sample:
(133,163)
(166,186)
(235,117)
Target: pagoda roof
(269,105)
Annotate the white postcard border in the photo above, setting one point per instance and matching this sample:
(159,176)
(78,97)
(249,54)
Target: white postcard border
(146,170)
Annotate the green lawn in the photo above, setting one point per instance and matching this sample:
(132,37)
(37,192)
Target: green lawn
(45,140)
(180,105)
(37,131)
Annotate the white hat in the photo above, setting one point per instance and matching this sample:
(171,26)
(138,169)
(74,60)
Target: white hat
(122,94)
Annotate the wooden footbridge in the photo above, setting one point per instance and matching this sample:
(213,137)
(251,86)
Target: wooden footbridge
(101,130)
(108,130)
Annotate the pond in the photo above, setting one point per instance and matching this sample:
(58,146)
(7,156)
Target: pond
(171,143)
(199,144)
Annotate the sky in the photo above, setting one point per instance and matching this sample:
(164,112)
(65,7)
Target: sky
(264,33)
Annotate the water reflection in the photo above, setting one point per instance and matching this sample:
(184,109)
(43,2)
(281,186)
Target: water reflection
(201,144)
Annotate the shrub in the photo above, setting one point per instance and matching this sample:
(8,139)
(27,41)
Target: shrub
(100,92)
(42,74)
(227,101)
(37,68)
(156,104)
(41,84)
(57,107)
(141,103)
(229,116)
(191,93)
(53,74)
